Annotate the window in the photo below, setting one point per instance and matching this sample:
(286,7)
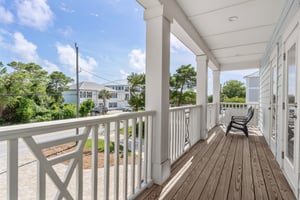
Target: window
(114,95)
(126,97)
(84,94)
(89,94)
(113,104)
(81,95)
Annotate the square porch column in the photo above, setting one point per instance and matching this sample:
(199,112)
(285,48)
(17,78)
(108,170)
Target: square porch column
(216,93)
(157,88)
(201,87)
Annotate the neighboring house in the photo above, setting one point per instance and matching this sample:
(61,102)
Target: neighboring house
(86,90)
(119,94)
(252,87)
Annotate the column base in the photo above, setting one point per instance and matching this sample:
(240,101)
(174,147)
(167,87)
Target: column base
(161,171)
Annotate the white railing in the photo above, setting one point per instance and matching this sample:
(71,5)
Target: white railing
(62,176)
(237,109)
(184,129)
(211,115)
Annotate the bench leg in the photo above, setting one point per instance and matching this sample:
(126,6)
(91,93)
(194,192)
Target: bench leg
(228,128)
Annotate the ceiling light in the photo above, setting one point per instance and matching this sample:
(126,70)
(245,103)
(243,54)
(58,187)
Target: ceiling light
(233,18)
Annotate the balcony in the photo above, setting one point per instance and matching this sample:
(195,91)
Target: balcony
(196,165)
(232,167)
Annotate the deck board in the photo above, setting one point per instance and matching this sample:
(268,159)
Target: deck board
(232,167)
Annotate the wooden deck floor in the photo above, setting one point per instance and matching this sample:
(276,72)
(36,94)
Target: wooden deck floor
(232,167)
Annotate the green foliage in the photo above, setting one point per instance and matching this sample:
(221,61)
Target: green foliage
(210,98)
(68,111)
(189,97)
(137,90)
(136,130)
(234,100)
(183,79)
(234,88)
(29,94)
(104,95)
(56,85)
(86,107)
(88,144)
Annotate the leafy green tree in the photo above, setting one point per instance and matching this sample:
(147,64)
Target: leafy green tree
(86,107)
(137,90)
(28,80)
(3,97)
(210,98)
(104,95)
(57,83)
(183,79)
(189,97)
(68,111)
(234,88)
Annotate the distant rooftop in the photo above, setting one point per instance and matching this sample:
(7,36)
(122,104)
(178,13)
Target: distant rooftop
(89,86)
(253,75)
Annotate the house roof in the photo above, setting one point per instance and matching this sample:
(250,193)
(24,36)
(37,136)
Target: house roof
(89,86)
(117,82)
(253,75)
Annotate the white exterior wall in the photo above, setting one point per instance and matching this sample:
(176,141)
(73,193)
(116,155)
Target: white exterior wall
(264,100)
(276,49)
(120,101)
(252,90)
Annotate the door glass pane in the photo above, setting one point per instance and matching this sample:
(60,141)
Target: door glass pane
(274,101)
(291,66)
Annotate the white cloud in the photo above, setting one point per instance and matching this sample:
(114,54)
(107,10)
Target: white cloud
(25,49)
(67,57)
(94,14)
(124,74)
(137,60)
(6,16)
(64,8)
(66,32)
(49,67)
(176,45)
(34,13)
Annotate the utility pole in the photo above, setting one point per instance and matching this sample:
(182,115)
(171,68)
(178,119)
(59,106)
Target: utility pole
(77,86)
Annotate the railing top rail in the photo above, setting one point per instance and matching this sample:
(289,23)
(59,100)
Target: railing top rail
(25,130)
(185,107)
(240,103)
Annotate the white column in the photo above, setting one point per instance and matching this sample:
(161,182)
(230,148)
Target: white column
(216,93)
(201,98)
(157,89)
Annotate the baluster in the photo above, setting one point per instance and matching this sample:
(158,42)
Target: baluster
(125,160)
(139,174)
(95,162)
(12,169)
(116,154)
(106,160)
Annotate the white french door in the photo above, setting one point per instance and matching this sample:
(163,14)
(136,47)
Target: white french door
(291,132)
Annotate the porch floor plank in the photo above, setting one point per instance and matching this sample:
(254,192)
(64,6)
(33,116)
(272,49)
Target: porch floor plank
(232,167)
(247,181)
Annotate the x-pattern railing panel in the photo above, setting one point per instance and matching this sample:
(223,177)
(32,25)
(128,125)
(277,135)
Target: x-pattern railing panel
(46,165)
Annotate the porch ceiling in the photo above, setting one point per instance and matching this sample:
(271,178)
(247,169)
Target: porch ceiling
(234,32)
(242,41)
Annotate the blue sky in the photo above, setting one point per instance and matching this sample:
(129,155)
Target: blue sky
(110,35)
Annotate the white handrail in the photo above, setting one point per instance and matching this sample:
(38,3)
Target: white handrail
(140,170)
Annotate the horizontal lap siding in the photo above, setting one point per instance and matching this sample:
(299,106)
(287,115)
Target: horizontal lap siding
(264,99)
